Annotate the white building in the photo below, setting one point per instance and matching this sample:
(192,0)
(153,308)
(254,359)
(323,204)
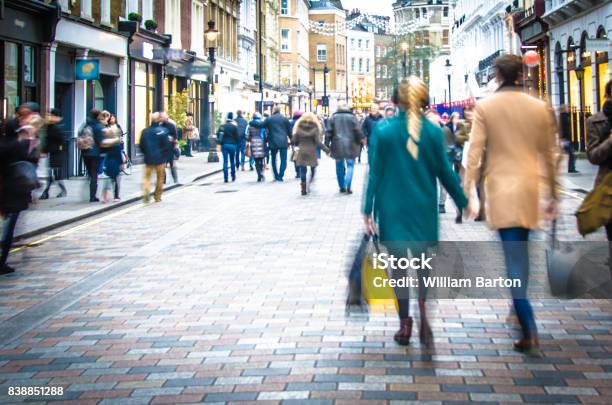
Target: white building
(481,31)
(361,66)
(247,54)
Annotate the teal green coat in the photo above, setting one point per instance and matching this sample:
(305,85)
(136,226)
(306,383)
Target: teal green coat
(402,192)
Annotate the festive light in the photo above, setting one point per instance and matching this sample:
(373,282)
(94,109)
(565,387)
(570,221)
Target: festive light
(531,58)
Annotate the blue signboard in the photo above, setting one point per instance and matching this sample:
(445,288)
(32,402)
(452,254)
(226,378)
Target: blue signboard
(87,69)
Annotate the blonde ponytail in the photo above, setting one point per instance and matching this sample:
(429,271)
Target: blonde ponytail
(412,95)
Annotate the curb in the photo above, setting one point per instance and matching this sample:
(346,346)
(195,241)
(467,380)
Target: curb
(103,209)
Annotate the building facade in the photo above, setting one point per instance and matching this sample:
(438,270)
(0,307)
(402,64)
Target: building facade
(385,71)
(294,54)
(579,57)
(424,25)
(361,63)
(328,54)
(247,55)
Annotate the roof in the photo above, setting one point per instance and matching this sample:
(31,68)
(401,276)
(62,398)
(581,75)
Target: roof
(326,4)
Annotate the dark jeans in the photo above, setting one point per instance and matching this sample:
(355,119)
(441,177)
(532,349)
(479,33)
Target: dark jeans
(188,147)
(229,158)
(240,155)
(7,235)
(304,169)
(344,172)
(516,255)
(279,173)
(91,164)
(259,166)
(571,157)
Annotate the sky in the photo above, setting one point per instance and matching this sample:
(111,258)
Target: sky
(380,7)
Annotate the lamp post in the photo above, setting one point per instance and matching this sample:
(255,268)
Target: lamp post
(449,71)
(579,70)
(325,98)
(211,35)
(405,49)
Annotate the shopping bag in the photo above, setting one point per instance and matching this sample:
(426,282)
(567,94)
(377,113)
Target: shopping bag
(354,296)
(378,296)
(560,265)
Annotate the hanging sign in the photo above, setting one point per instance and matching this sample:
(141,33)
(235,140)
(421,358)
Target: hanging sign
(87,69)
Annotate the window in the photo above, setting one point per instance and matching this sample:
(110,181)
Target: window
(321,53)
(105,12)
(367,44)
(378,51)
(426,38)
(360,65)
(368,65)
(359,43)
(384,71)
(131,7)
(285,7)
(173,22)
(285,40)
(321,23)
(418,13)
(147,10)
(352,64)
(444,37)
(445,12)
(197,27)
(64,5)
(377,70)
(352,43)
(86,8)
(424,13)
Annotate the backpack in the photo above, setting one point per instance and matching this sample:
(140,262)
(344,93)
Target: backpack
(220,134)
(85,139)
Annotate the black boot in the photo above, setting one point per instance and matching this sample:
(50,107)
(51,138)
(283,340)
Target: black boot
(44,195)
(303,185)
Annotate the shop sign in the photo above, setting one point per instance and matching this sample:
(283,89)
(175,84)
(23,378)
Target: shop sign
(87,69)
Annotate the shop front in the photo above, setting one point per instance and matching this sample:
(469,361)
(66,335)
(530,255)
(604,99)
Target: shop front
(146,51)
(26,29)
(74,91)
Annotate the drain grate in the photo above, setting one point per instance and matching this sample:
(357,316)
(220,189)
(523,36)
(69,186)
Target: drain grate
(226,191)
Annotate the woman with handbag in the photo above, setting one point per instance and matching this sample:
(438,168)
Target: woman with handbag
(307,133)
(407,156)
(112,147)
(256,145)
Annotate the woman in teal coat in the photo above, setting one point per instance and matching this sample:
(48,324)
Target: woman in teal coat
(407,155)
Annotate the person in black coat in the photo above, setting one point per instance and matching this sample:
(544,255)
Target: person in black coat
(229,139)
(154,145)
(279,135)
(13,198)
(565,129)
(55,147)
(242,125)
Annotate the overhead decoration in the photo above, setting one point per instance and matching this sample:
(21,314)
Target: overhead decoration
(340,28)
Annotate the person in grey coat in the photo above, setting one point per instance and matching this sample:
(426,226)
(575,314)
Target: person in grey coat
(279,134)
(344,138)
(256,139)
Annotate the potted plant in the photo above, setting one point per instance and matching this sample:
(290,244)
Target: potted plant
(150,25)
(177,111)
(135,17)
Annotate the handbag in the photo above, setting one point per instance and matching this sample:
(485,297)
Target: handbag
(596,209)
(247,150)
(294,153)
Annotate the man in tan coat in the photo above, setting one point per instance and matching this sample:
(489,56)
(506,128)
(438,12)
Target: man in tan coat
(517,133)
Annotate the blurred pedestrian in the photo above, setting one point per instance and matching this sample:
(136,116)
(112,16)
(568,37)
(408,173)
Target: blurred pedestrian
(55,146)
(370,121)
(191,134)
(22,114)
(565,132)
(228,138)
(154,145)
(406,156)
(241,124)
(296,116)
(599,143)
(112,148)
(18,159)
(174,151)
(454,133)
(307,134)
(279,134)
(93,130)
(344,138)
(513,127)
(256,139)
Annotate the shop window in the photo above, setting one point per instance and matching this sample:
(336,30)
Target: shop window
(98,95)
(11,78)
(144,96)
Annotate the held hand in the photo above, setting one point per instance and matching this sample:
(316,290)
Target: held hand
(370,226)
(552,210)
(472,209)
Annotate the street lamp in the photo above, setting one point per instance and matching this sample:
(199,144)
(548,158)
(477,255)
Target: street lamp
(579,70)
(405,49)
(211,35)
(325,98)
(449,71)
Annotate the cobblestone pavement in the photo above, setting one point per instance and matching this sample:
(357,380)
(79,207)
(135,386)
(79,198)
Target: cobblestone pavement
(235,293)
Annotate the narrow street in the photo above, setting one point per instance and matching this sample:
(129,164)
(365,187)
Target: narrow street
(233,293)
